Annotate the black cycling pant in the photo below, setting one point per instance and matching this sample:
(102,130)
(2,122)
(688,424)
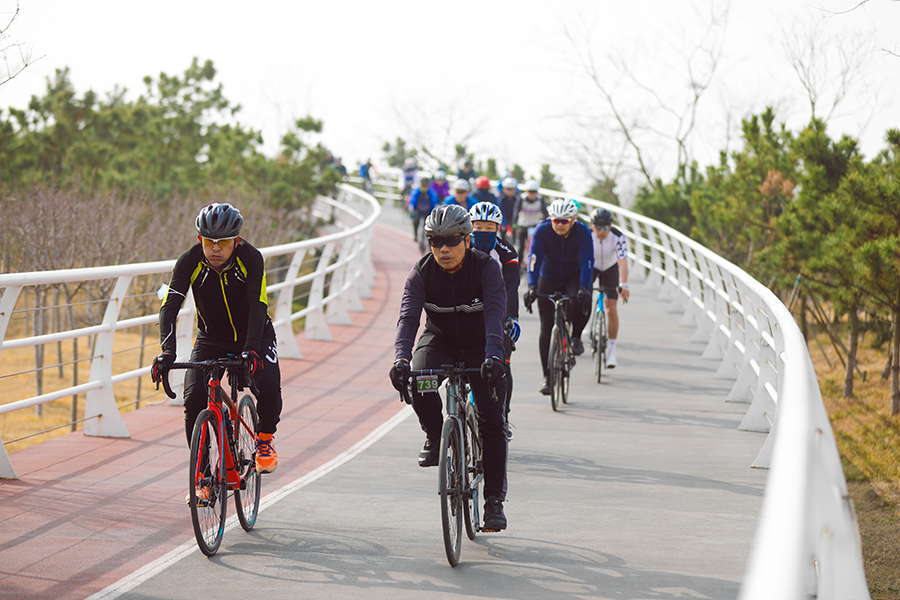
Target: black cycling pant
(609,279)
(268,404)
(545,310)
(520,234)
(417,221)
(433,353)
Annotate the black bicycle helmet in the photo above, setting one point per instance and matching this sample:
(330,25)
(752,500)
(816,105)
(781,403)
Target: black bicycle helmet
(218,221)
(451,219)
(600,217)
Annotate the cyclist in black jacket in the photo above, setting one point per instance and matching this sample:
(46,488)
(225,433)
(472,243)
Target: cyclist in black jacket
(463,295)
(486,221)
(228,278)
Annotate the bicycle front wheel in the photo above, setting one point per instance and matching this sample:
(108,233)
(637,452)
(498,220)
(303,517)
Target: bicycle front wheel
(208,492)
(567,361)
(246,499)
(556,357)
(600,350)
(450,488)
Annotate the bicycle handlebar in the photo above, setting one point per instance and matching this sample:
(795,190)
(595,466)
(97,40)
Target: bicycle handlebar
(228,362)
(446,371)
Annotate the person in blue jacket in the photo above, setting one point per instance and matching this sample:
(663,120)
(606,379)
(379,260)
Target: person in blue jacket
(461,195)
(561,259)
(422,201)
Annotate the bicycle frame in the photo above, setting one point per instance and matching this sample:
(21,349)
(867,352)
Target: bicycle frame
(224,408)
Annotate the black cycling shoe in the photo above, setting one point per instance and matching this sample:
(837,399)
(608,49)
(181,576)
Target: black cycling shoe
(494,519)
(430,453)
(577,347)
(545,387)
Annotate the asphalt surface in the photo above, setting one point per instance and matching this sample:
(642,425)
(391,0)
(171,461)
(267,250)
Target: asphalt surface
(640,487)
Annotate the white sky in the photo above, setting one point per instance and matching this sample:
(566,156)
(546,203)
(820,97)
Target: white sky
(503,65)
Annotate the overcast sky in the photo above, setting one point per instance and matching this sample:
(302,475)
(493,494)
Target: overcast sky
(502,69)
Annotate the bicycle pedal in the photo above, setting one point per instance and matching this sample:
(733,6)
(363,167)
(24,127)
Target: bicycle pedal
(490,531)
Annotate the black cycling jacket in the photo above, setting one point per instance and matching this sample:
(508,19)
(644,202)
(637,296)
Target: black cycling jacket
(231,304)
(508,258)
(465,309)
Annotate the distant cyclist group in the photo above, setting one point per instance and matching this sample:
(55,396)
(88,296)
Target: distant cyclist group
(467,284)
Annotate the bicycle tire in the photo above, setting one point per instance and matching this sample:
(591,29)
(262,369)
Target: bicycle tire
(450,489)
(600,351)
(246,500)
(474,470)
(567,362)
(554,372)
(207,515)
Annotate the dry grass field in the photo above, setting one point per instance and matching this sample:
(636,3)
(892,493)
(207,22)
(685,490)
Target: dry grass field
(17,380)
(868,438)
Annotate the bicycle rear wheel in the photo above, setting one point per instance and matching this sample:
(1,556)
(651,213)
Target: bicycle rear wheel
(246,500)
(474,470)
(208,493)
(450,487)
(555,368)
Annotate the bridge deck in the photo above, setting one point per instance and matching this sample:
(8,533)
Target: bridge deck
(639,488)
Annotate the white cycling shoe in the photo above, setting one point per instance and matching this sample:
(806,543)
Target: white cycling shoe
(611,360)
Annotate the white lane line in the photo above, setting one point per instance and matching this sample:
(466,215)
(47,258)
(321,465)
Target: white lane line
(141,575)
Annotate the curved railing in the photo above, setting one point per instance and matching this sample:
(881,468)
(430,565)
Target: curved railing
(333,271)
(807,543)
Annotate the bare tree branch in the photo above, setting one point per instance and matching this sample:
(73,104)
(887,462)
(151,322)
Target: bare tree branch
(618,79)
(24,58)
(828,66)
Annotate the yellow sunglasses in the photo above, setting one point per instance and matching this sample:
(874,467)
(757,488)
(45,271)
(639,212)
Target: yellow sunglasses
(222,243)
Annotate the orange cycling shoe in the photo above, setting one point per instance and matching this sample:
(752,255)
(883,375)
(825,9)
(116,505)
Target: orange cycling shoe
(266,457)
(202,496)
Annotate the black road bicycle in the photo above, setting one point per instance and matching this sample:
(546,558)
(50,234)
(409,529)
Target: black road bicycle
(460,467)
(561,357)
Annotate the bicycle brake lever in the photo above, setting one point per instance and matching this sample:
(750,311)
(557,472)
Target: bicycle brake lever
(165,381)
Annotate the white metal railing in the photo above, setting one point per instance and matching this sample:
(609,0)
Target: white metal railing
(807,543)
(340,262)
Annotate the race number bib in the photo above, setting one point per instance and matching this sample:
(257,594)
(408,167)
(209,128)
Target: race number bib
(427,383)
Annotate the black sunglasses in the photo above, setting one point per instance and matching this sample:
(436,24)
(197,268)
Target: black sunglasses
(449,241)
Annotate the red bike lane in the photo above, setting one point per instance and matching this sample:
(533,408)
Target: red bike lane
(86,512)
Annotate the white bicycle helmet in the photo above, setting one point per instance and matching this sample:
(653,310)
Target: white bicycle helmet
(532,186)
(564,208)
(510,183)
(462,184)
(486,211)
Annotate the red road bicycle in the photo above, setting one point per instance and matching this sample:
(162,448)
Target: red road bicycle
(223,452)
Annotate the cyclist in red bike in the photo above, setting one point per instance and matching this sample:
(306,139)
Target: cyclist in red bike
(228,278)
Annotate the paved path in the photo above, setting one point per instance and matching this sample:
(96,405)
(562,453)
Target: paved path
(639,488)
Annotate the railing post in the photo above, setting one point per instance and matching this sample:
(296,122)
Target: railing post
(337,306)
(184,337)
(7,306)
(101,402)
(316,326)
(284,330)
(365,280)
